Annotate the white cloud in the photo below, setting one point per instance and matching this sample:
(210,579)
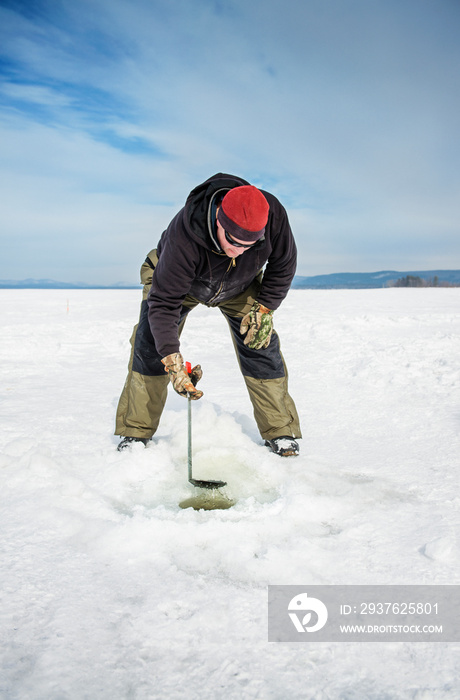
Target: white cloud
(347,114)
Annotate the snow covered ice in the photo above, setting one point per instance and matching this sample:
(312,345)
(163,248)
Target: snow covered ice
(110,590)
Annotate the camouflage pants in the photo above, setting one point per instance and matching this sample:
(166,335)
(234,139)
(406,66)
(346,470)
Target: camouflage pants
(264,371)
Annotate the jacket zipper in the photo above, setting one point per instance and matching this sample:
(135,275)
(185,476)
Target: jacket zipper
(232,264)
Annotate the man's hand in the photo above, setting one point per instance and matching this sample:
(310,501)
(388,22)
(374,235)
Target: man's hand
(183,382)
(258,326)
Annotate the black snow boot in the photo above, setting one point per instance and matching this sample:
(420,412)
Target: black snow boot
(284,446)
(127,441)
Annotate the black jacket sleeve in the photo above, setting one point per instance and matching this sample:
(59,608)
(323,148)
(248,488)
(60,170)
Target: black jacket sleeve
(171,282)
(282,261)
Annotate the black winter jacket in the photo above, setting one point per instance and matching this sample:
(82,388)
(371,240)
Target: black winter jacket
(191,263)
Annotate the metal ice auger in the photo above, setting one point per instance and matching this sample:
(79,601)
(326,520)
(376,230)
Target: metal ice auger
(200,483)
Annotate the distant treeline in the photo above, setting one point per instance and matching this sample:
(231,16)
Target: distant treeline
(412,281)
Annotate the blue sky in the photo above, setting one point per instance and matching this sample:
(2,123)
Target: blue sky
(111,111)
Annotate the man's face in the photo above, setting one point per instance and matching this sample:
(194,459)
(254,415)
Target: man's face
(232,251)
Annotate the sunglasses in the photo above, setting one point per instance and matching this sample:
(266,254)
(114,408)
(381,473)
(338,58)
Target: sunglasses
(231,240)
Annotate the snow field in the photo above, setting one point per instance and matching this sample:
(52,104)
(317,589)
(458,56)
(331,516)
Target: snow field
(110,590)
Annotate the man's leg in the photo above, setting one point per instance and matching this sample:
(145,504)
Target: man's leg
(265,374)
(146,387)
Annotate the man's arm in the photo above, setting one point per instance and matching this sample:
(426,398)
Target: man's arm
(282,263)
(171,282)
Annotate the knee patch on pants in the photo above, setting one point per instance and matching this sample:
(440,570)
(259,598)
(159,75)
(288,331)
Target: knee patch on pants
(266,363)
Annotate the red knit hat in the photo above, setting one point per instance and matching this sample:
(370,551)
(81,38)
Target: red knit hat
(244,213)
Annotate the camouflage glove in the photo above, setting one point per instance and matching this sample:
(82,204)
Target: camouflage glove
(183,382)
(258,325)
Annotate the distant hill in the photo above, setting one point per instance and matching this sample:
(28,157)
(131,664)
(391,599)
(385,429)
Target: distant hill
(370,280)
(337,280)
